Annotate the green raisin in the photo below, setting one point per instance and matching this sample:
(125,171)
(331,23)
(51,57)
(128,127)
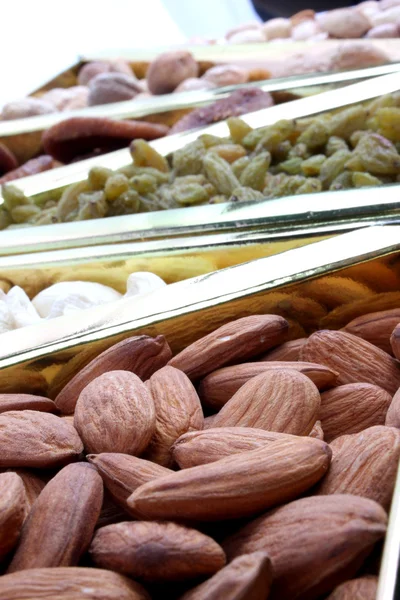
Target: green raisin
(24,213)
(360,179)
(220,174)
(292,166)
(116,185)
(312,166)
(253,175)
(92,205)
(13,197)
(238,129)
(343,181)
(377,155)
(144,155)
(346,122)
(246,194)
(98,176)
(315,136)
(239,165)
(189,159)
(333,166)
(143,183)
(190,194)
(334,144)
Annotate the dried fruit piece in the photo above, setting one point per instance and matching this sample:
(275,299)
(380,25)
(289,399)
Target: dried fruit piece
(355,360)
(13,507)
(248,576)
(202,447)
(122,474)
(362,588)
(375,328)
(30,438)
(31,167)
(169,69)
(141,355)
(178,410)
(393,413)
(115,412)
(68,583)
(289,351)
(235,486)
(278,400)
(61,522)
(351,408)
(105,88)
(364,464)
(8,161)
(153,551)
(219,386)
(26,402)
(237,340)
(314,543)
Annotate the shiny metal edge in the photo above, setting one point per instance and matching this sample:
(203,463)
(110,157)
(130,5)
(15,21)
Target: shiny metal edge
(389,571)
(132,109)
(364,204)
(311,105)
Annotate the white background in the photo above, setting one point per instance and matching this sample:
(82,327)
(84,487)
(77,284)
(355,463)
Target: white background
(41,38)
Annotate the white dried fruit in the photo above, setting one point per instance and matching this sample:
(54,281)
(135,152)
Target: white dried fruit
(305,30)
(21,308)
(249,36)
(6,318)
(143,283)
(226,75)
(390,15)
(277,29)
(68,296)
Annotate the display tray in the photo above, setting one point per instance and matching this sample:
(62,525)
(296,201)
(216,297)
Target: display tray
(43,355)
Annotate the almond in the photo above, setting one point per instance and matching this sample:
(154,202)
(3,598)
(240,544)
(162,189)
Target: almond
(178,410)
(153,551)
(362,588)
(218,387)
(351,408)
(235,341)
(393,413)
(317,431)
(202,447)
(141,355)
(376,328)
(122,474)
(395,342)
(13,506)
(364,464)
(30,438)
(235,486)
(33,486)
(289,351)
(115,413)
(26,401)
(248,576)
(314,543)
(61,522)
(278,400)
(69,583)
(110,512)
(356,360)
(340,316)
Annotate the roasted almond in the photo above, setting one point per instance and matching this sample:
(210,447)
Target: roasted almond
(30,438)
(364,464)
(362,588)
(202,447)
(13,507)
(178,410)
(278,400)
(61,522)
(351,408)
(246,577)
(122,474)
(33,486)
(356,360)
(218,387)
(26,402)
(393,413)
(376,328)
(314,543)
(236,486)
(288,351)
(69,583)
(115,413)
(153,551)
(237,340)
(142,355)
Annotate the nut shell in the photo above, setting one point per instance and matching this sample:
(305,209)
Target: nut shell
(168,70)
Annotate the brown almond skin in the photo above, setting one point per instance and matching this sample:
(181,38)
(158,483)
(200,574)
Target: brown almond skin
(364,464)
(115,413)
(362,588)
(178,410)
(142,355)
(219,386)
(393,413)
(67,583)
(289,351)
(376,328)
(278,400)
(317,432)
(156,552)
(314,543)
(26,402)
(395,341)
(31,438)
(61,523)
(122,474)
(202,447)
(351,408)
(356,360)
(13,507)
(236,341)
(247,577)
(235,486)
(110,512)
(33,486)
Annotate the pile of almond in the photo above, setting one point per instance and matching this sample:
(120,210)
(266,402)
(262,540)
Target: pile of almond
(122,489)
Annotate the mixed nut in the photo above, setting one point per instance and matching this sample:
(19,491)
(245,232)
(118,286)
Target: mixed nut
(123,488)
(350,148)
